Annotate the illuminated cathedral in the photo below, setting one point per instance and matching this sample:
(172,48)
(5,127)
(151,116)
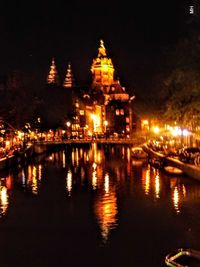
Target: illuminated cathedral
(102,109)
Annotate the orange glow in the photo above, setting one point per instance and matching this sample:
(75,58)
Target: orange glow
(9,182)
(157,186)
(69,182)
(102,67)
(3,200)
(146,181)
(106,212)
(176,199)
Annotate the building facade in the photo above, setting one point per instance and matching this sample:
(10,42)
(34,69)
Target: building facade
(103,109)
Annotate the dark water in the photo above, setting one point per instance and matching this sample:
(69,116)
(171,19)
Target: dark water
(90,207)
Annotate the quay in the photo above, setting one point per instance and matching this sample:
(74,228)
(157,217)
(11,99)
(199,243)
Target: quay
(188,169)
(41,147)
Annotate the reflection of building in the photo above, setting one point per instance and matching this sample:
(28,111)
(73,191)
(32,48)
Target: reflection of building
(105,208)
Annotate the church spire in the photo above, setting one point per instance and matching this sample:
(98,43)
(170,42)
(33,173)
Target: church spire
(102,50)
(102,68)
(52,77)
(68,82)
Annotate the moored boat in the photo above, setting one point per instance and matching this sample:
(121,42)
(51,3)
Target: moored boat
(138,153)
(183,257)
(173,170)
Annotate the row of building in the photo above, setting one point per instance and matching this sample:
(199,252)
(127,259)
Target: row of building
(104,108)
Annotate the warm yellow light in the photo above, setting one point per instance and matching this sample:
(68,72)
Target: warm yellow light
(156,129)
(106,123)
(69,182)
(68,123)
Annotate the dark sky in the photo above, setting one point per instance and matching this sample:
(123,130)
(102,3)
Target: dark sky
(135,34)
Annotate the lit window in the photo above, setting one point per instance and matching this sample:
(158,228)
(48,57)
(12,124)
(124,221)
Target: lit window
(117,112)
(121,111)
(82,112)
(127,120)
(191,9)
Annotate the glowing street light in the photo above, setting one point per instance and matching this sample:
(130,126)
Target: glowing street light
(96,122)
(68,123)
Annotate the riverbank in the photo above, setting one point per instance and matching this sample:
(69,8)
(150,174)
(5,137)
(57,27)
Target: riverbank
(189,169)
(18,156)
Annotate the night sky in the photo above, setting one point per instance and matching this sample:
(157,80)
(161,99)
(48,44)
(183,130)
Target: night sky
(136,36)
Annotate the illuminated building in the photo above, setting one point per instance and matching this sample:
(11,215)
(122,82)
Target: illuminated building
(68,82)
(110,95)
(52,77)
(102,108)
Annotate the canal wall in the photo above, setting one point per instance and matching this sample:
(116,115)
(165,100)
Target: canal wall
(18,157)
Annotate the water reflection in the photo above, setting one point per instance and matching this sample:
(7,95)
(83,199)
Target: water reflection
(69,182)
(6,185)
(146,180)
(30,177)
(157,184)
(109,177)
(3,199)
(94,176)
(105,208)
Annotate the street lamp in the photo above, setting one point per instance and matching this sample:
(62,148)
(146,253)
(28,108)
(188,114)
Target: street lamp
(68,123)
(131,114)
(105,125)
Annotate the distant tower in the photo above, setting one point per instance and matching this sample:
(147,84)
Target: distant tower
(52,77)
(68,82)
(102,68)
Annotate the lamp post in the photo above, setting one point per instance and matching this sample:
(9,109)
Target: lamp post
(130,114)
(105,129)
(68,123)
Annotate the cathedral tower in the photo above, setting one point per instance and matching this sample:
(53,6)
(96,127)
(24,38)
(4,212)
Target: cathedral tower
(68,82)
(52,77)
(102,68)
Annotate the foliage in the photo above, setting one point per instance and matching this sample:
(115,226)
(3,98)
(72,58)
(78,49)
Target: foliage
(182,86)
(183,100)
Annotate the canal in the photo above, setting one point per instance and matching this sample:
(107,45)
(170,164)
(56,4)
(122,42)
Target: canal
(95,206)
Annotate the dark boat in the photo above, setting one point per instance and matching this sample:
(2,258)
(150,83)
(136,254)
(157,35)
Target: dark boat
(183,258)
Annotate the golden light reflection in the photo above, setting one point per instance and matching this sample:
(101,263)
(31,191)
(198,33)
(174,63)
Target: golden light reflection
(106,183)
(34,181)
(69,182)
(176,199)
(75,156)
(23,178)
(73,159)
(3,200)
(9,182)
(128,154)
(63,159)
(40,172)
(184,191)
(94,179)
(94,149)
(157,185)
(106,213)
(123,152)
(178,193)
(146,178)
